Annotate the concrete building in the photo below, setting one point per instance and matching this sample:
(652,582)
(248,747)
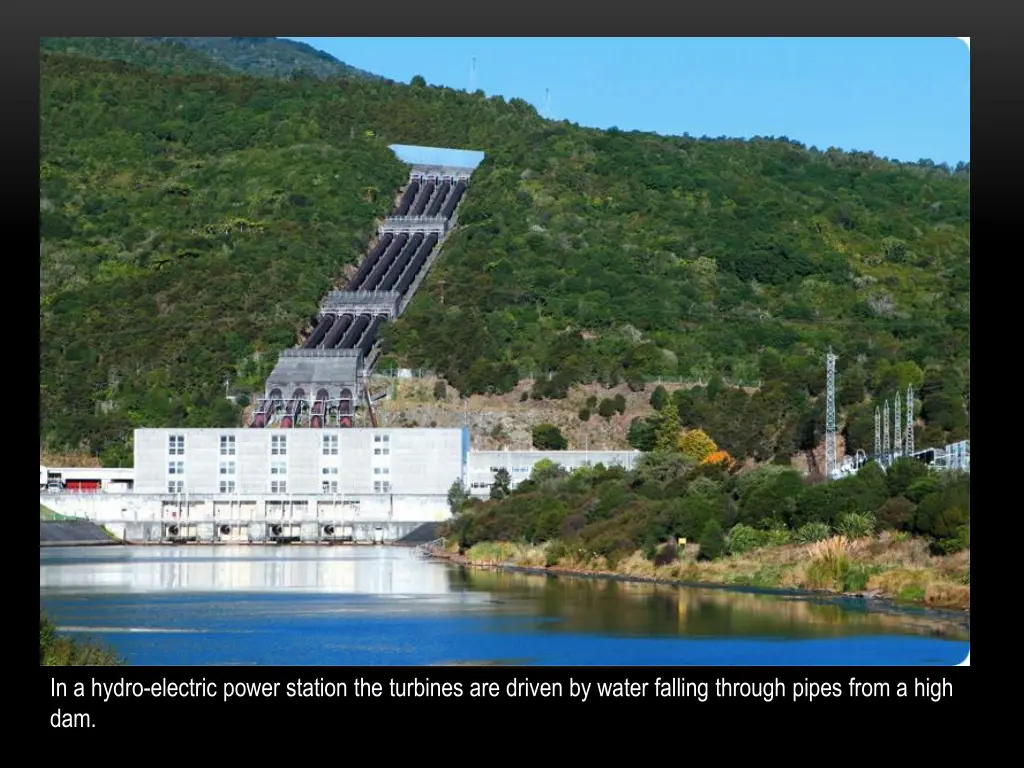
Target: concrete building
(86,479)
(299,462)
(324,484)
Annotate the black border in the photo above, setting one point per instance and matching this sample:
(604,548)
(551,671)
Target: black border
(456,18)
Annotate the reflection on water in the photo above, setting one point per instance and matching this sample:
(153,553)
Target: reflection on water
(631,608)
(243,568)
(389,605)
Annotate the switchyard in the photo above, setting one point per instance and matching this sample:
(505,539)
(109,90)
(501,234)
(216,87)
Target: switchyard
(894,436)
(323,382)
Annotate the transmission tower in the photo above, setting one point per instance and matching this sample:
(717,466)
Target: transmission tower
(831,459)
(909,445)
(886,442)
(878,435)
(897,428)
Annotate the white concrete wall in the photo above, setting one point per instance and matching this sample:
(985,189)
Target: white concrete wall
(136,507)
(417,461)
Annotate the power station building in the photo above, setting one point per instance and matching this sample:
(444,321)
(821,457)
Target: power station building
(243,484)
(299,462)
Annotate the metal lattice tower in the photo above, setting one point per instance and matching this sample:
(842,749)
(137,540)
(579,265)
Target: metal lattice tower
(886,442)
(831,459)
(909,444)
(897,428)
(878,435)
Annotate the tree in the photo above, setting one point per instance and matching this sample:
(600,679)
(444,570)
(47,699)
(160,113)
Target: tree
(696,445)
(659,397)
(712,540)
(607,408)
(440,390)
(667,432)
(502,485)
(641,434)
(457,497)
(548,437)
(545,470)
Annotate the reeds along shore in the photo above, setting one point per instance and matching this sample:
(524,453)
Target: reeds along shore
(888,565)
(56,650)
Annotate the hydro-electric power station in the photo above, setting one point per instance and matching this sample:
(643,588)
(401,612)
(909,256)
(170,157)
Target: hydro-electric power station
(322,383)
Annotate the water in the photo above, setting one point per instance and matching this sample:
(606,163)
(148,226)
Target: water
(303,605)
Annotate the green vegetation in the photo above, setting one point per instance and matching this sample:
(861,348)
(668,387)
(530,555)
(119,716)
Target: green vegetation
(45,513)
(56,650)
(677,518)
(260,56)
(190,221)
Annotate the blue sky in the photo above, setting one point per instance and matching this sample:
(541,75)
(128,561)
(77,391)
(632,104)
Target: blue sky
(903,98)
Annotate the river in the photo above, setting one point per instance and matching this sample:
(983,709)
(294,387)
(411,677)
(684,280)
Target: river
(345,605)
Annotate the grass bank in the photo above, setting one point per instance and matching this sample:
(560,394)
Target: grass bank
(45,513)
(56,650)
(888,565)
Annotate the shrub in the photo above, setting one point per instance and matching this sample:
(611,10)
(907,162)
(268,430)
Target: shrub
(897,513)
(830,565)
(554,552)
(811,532)
(712,541)
(607,408)
(659,397)
(584,414)
(855,525)
(58,651)
(743,538)
(548,437)
(666,554)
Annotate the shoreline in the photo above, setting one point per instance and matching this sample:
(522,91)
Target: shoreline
(872,600)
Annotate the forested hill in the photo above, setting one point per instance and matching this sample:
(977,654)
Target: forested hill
(259,56)
(190,222)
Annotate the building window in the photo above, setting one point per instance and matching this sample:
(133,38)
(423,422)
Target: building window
(279,486)
(176,445)
(382,445)
(330,445)
(381,471)
(381,486)
(176,468)
(278,445)
(227,486)
(330,486)
(227,468)
(330,470)
(278,468)
(175,486)
(227,445)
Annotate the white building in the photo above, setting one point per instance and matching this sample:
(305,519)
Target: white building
(295,484)
(86,479)
(299,462)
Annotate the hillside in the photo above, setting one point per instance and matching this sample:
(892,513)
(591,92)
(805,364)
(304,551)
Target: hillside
(258,56)
(189,224)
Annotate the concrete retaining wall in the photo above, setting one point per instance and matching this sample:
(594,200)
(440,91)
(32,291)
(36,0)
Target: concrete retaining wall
(72,533)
